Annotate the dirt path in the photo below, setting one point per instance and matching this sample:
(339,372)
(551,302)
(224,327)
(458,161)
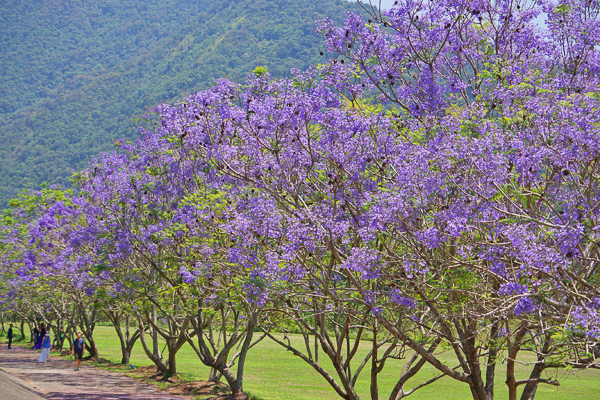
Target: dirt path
(56,379)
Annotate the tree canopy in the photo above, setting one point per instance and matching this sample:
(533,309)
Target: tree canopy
(433,187)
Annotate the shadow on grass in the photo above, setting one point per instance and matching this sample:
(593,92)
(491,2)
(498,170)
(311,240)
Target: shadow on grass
(104,396)
(174,385)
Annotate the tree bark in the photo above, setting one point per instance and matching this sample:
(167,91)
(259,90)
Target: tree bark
(29,324)
(151,355)
(470,336)
(22,327)
(217,357)
(490,372)
(244,351)
(125,340)
(510,365)
(155,348)
(374,370)
(88,324)
(536,373)
(172,361)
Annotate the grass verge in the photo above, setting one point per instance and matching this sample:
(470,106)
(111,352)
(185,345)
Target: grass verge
(272,373)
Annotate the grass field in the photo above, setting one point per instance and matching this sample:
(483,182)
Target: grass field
(272,373)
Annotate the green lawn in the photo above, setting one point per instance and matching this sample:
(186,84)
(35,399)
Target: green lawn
(273,373)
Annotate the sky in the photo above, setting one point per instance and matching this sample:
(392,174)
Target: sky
(387,4)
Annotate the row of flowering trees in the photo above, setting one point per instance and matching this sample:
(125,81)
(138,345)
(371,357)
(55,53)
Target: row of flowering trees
(435,186)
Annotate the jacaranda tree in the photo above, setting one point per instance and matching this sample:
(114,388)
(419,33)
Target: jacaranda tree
(434,186)
(465,206)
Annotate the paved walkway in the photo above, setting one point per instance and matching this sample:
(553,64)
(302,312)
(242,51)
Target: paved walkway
(56,379)
(13,388)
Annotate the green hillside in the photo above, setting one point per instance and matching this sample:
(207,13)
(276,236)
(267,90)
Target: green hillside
(76,73)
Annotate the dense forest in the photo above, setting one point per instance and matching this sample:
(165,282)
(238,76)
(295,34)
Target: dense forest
(76,74)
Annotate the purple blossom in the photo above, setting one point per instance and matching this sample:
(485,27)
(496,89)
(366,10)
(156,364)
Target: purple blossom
(524,306)
(186,275)
(363,260)
(397,297)
(512,288)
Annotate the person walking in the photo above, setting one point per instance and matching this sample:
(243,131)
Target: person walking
(10,335)
(38,343)
(46,345)
(77,348)
(36,334)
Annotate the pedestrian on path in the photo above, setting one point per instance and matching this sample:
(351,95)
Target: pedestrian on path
(46,345)
(36,334)
(77,348)
(10,335)
(38,344)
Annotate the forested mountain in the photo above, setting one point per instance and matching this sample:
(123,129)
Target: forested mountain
(77,73)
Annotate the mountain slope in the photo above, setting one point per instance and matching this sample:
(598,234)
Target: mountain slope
(77,73)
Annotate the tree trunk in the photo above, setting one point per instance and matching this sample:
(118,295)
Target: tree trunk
(115,318)
(91,347)
(214,358)
(477,384)
(71,330)
(531,387)
(491,367)
(151,355)
(30,330)
(172,361)
(374,371)
(59,334)
(214,375)
(125,340)
(22,329)
(87,324)
(130,344)
(155,347)
(244,352)
(511,382)
(125,354)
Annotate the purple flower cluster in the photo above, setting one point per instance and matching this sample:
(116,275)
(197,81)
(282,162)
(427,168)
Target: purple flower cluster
(398,297)
(524,306)
(512,288)
(587,319)
(447,155)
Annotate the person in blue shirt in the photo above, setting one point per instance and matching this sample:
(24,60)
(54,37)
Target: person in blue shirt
(46,345)
(77,348)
